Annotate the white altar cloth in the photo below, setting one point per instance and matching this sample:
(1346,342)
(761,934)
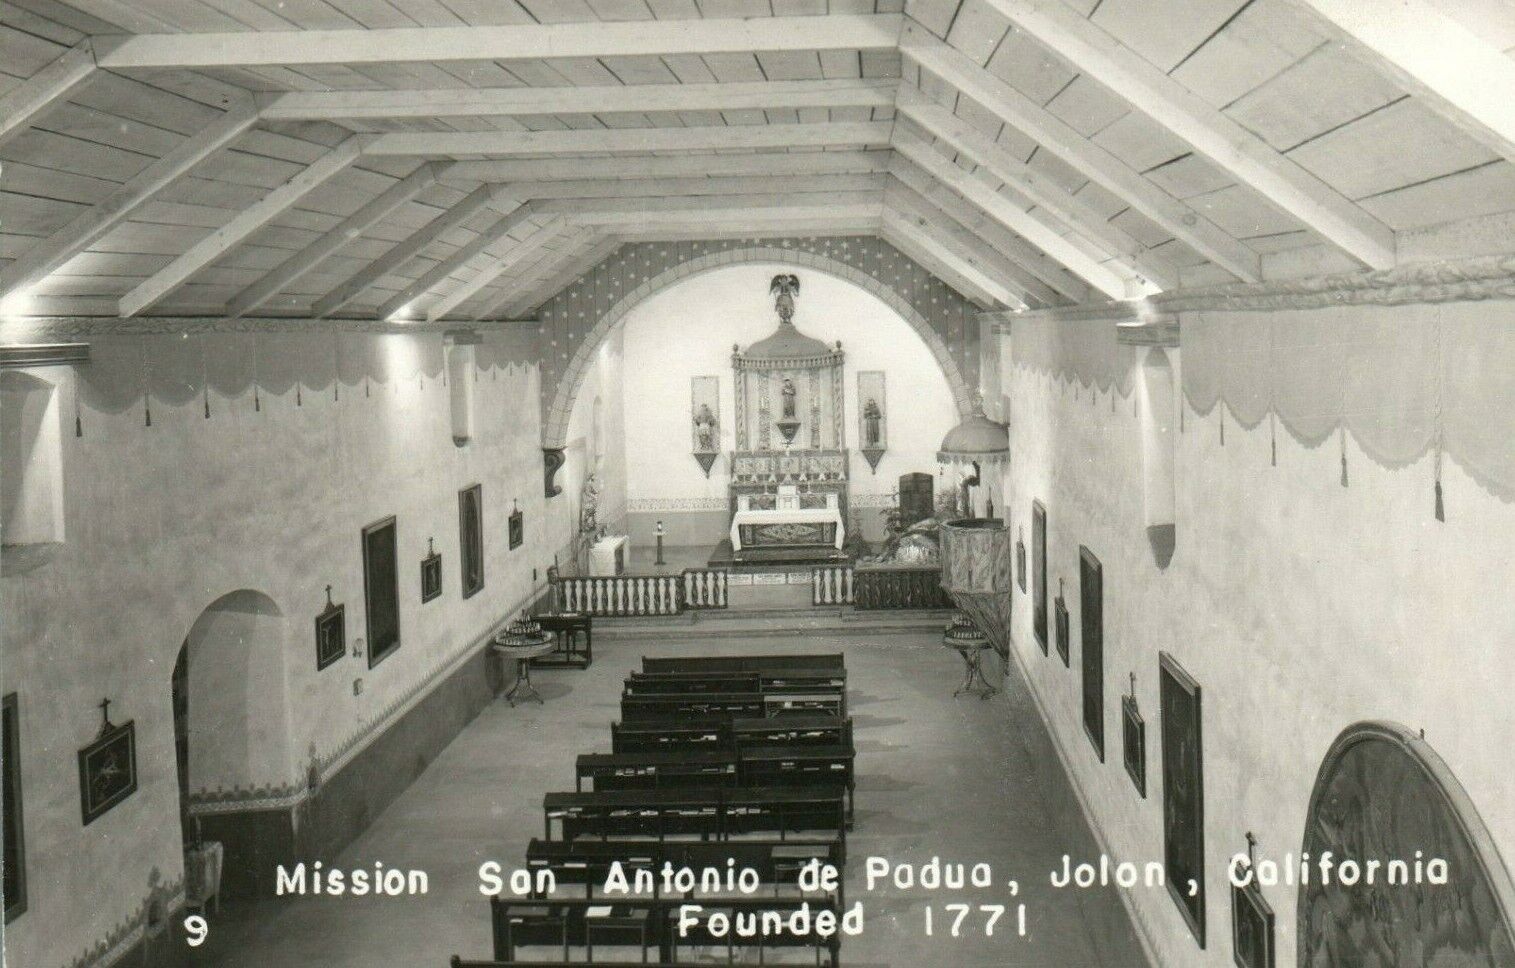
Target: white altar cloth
(825,515)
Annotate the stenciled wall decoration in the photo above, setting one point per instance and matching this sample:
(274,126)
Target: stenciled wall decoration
(705,420)
(872,416)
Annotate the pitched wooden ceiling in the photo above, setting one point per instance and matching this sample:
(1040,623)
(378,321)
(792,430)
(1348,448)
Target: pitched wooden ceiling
(466,159)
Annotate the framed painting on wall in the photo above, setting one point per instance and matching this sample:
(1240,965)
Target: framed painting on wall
(471,538)
(1060,625)
(517,528)
(1183,792)
(1251,927)
(381,589)
(1039,573)
(331,633)
(13,833)
(1134,741)
(107,770)
(1091,615)
(431,574)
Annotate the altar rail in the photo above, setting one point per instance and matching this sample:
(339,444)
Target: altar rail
(621,596)
(885,587)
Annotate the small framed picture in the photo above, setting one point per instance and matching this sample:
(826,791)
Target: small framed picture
(431,577)
(1060,622)
(331,634)
(1251,927)
(517,528)
(1134,744)
(108,770)
(1020,564)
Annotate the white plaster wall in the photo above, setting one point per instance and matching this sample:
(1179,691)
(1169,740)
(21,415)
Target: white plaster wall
(688,330)
(164,520)
(1301,607)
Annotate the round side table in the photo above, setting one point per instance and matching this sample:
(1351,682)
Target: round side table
(970,645)
(523,649)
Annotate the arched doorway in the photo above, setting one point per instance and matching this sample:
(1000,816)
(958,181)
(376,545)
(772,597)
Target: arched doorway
(1383,794)
(231,723)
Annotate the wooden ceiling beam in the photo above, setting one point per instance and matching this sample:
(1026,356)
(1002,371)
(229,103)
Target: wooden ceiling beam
(160,284)
(785,163)
(90,225)
(464,291)
(403,251)
(692,187)
(978,288)
(329,243)
(593,249)
(973,145)
(630,140)
(612,99)
(642,38)
(1010,215)
(464,254)
(1237,151)
(1447,67)
(651,210)
(931,222)
(916,194)
(1092,161)
(35,96)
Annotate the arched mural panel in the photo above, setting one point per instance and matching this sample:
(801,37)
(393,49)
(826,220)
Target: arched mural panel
(1383,794)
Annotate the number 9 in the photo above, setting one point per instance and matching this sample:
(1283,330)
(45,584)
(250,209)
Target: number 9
(197,929)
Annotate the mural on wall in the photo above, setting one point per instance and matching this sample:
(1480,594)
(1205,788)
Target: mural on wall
(872,424)
(705,420)
(1382,793)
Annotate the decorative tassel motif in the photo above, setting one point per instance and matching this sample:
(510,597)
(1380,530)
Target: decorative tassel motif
(257,404)
(1344,457)
(1272,439)
(298,401)
(206,392)
(1441,510)
(1223,425)
(78,418)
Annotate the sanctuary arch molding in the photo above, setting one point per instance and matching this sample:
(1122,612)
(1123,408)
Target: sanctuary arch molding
(950,332)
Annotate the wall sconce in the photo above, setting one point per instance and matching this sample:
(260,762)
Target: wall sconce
(357,687)
(357,648)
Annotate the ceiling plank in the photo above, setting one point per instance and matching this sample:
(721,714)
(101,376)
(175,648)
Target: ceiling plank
(594,141)
(1456,73)
(1011,216)
(1244,155)
(671,166)
(50,86)
(460,257)
(690,187)
(1094,162)
(967,141)
(159,285)
(632,211)
(95,222)
(555,280)
(941,262)
(993,252)
(460,294)
(340,235)
(505,42)
(403,251)
(472,102)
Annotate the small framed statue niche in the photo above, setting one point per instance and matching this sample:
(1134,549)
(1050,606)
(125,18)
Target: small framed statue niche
(705,420)
(872,417)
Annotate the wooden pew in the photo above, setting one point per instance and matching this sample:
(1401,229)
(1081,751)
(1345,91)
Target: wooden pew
(656,769)
(682,733)
(827,683)
(802,765)
(709,812)
(747,765)
(741,705)
(569,923)
(744,663)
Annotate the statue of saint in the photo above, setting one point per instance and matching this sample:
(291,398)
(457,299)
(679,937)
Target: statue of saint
(704,428)
(589,503)
(788,393)
(873,419)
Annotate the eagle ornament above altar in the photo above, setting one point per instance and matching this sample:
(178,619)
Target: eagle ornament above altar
(790,461)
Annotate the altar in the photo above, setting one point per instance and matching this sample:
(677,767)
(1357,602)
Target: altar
(791,520)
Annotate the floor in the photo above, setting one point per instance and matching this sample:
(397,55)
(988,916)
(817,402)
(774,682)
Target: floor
(967,780)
